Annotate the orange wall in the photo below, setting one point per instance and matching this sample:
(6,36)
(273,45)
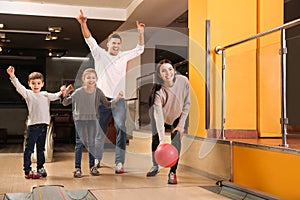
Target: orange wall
(238,22)
(252,68)
(197,66)
(269,171)
(269,71)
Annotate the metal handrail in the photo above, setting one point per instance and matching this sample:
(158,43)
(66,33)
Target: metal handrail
(290,24)
(140,77)
(283,52)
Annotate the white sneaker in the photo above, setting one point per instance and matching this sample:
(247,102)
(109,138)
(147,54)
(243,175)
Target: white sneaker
(97,163)
(119,168)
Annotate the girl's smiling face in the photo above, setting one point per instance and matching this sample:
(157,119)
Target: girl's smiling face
(90,79)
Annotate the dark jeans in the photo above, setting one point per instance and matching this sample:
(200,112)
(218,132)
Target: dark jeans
(118,111)
(175,139)
(35,134)
(86,131)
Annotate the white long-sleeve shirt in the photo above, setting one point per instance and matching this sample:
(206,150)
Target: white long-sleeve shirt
(38,103)
(171,103)
(111,70)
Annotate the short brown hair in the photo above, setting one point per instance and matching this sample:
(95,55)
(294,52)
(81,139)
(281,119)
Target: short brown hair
(36,75)
(114,35)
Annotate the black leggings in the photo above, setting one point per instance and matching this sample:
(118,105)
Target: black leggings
(175,140)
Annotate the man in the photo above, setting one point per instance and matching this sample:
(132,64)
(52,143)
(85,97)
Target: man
(111,68)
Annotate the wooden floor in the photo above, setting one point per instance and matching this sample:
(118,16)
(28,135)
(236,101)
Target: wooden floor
(133,184)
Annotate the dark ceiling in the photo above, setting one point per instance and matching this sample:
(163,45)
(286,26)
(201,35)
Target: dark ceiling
(69,39)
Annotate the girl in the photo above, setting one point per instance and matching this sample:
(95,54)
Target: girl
(169,103)
(86,100)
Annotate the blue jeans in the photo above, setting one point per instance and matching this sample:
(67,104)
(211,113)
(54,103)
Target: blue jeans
(175,139)
(35,134)
(86,132)
(118,111)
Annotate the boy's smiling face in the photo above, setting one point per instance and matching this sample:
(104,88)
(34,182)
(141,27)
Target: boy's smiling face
(36,84)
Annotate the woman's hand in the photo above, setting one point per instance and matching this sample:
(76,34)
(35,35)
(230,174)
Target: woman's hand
(180,130)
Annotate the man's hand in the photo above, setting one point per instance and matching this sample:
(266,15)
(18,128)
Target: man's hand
(81,18)
(140,27)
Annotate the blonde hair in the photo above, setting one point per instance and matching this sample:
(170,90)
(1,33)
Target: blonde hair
(88,71)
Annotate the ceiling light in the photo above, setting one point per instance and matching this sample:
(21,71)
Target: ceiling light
(55,29)
(56,53)
(2,35)
(1,25)
(73,58)
(50,37)
(5,40)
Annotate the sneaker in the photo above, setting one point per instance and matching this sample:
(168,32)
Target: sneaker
(77,173)
(153,171)
(42,172)
(172,178)
(119,168)
(97,163)
(94,171)
(33,175)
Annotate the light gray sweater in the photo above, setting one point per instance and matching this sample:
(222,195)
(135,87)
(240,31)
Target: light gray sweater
(38,103)
(171,103)
(85,105)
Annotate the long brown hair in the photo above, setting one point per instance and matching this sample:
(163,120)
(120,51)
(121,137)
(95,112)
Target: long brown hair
(158,80)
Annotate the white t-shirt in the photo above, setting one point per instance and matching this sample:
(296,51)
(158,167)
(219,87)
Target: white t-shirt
(111,70)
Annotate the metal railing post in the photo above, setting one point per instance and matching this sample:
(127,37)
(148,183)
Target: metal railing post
(223,95)
(284,119)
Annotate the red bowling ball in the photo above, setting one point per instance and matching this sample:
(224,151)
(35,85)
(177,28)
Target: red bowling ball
(166,155)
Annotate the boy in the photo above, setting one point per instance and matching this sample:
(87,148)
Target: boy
(38,104)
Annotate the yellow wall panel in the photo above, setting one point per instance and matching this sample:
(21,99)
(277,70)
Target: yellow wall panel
(230,21)
(197,16)
(268,171)
(241,91)
(269,68)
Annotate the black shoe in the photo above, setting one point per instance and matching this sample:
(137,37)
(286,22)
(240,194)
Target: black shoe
(153,171)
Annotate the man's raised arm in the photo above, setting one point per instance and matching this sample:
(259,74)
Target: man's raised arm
(82,20)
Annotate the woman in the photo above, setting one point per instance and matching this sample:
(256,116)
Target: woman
(169,103)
